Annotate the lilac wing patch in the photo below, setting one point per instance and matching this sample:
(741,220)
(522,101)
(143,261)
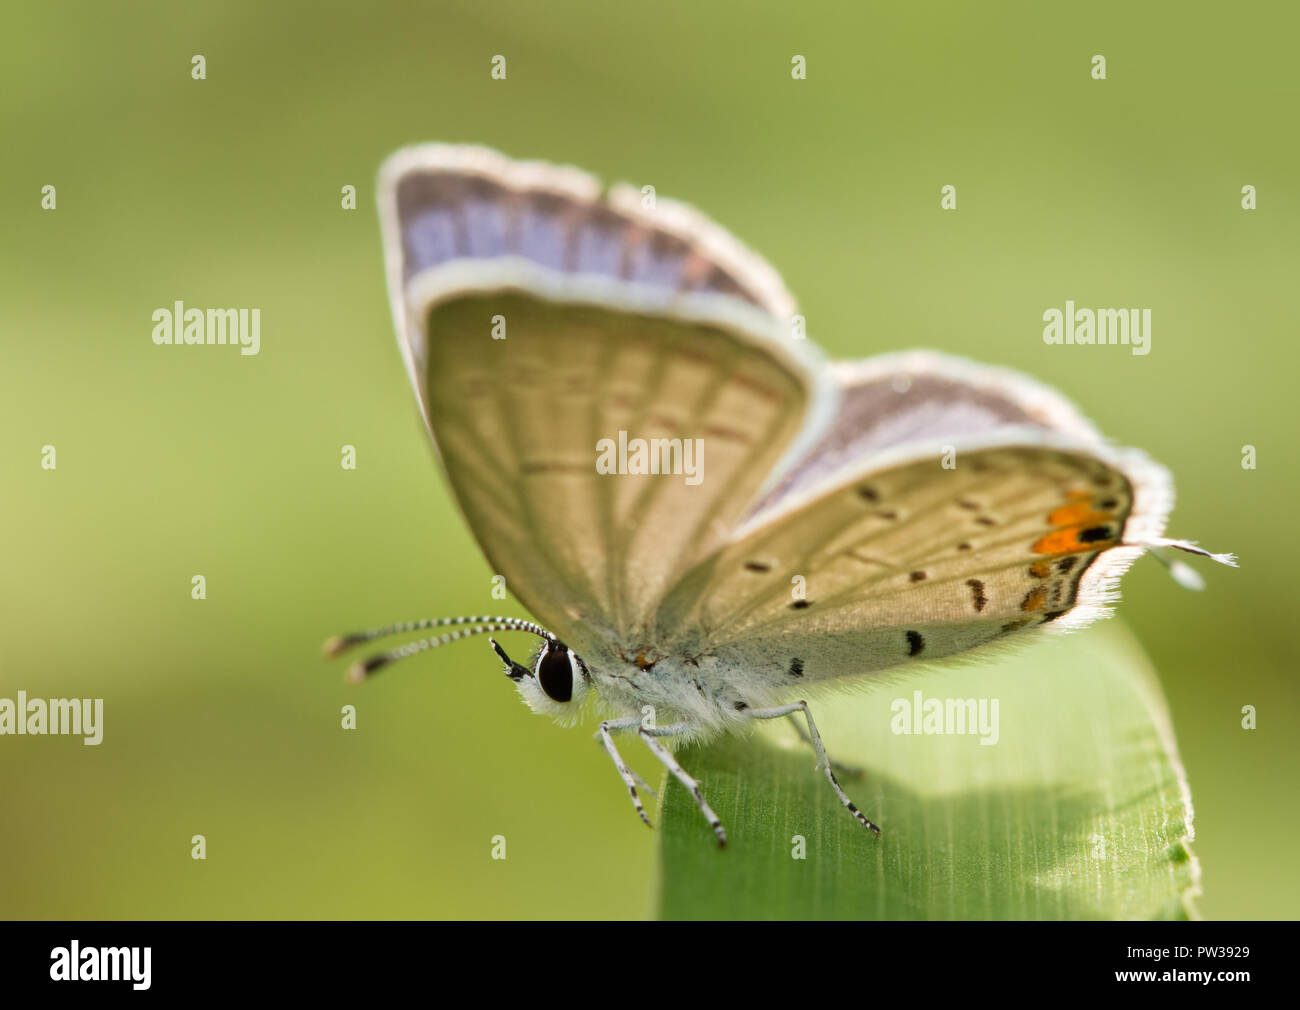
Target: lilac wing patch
(447,215)
(430,238)
(880,413)
(544,233)
(487,227)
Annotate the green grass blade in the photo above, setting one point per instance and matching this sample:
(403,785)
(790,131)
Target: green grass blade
(1079,811)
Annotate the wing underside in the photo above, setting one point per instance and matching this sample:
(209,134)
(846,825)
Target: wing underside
(818,521)
(946,507)
(543,320)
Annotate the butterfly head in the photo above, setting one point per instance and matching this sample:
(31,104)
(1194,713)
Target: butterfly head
(555,681)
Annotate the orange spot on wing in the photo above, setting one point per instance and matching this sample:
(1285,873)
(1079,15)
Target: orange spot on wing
(1035,599)
(1067,542)
(1079,512)
(1041,569)
(1058,542)
(1072,520)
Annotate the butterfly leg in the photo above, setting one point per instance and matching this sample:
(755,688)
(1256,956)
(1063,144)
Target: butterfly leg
(646,787)
(853,771)
(628,776)
(823,762)
(680,773)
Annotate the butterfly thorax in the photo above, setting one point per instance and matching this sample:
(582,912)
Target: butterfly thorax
(698,690)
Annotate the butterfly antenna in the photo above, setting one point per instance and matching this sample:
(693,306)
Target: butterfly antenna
(480,625)
(340,644)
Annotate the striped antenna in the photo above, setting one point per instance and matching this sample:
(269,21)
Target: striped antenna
(481,625)
(340,644)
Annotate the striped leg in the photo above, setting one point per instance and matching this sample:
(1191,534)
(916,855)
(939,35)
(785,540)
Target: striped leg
(646,787)
(853,771)
(670,762)
(624,772)
(823,762)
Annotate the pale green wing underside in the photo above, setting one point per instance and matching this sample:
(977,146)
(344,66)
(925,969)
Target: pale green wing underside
(907,563)
(518,422)
(542,317)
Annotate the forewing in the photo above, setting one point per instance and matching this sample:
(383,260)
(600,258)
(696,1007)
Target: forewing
(539,317)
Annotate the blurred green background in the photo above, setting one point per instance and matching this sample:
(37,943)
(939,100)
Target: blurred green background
(220,717)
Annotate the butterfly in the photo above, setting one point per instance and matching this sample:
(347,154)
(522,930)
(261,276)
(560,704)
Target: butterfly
(707,519)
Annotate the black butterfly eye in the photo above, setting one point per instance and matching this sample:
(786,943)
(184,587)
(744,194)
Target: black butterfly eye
(555,671)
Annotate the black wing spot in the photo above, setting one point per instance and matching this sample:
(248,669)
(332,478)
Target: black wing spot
(918,576)
(868,493)
(1094,533)
(915,643)
(986,521)
(1109,504)
(1052,615)
(800,604)
(1066,563)
(966,503)
(963,546)
(757,566)
(796,668)
(977,592)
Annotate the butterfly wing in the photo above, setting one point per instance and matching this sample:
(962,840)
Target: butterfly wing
(538,317)
(947,506)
